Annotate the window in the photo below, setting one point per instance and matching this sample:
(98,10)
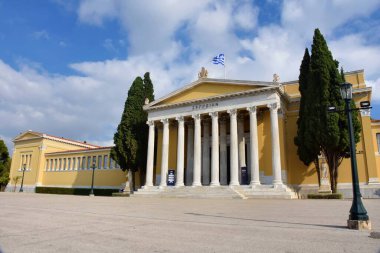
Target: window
(55,164)
(51,164)
(69,163)
(112,162)
(89,162)
(100,162)
(47,165)
(378,142)
(60,164)
(93,161)
(105,162)
(83,163)
(64,163)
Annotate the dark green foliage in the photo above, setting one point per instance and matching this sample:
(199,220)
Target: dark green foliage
(326,132)
(131,137)
(325,196)
(75,191)
(307,149)
(5,165)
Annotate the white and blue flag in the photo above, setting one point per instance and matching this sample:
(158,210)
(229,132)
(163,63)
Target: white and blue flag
(219,59)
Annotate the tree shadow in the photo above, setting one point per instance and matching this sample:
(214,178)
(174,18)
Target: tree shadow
(269,221)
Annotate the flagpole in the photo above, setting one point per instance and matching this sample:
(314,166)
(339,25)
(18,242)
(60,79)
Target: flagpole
(224,65)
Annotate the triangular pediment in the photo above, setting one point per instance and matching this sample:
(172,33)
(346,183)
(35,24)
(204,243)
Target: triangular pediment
(205,88)
(28,135)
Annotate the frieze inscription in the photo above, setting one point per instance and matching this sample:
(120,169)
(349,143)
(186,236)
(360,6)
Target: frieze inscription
(205,106)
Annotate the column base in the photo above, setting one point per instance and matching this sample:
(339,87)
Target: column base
(254,184)
(214,184)
(147,186)
(278,185)
(162,186)
(234,183)
(180,185)
(359,224)
(195,184)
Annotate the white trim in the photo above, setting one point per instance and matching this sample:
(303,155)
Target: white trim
(81,186)
(270,96)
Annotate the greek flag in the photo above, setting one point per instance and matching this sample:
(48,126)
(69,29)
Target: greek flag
(219,59)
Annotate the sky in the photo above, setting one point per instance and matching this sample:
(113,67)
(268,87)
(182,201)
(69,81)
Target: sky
(66,65)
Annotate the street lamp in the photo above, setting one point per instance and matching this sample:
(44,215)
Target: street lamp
(92,182)
(22,180)
(358,218)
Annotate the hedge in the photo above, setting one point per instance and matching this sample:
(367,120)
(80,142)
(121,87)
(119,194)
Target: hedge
(75,191)
(325,196)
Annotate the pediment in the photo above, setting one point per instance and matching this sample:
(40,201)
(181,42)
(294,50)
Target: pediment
(204,88)
(27,136)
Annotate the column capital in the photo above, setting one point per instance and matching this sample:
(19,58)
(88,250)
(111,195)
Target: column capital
(150,122)
(214,114)
(165,121)
(232,112)
(180,119)
(196,116)
(252,109)
(274,106)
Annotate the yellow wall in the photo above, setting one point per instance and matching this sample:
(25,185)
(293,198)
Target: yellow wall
(42,149)
(376,130)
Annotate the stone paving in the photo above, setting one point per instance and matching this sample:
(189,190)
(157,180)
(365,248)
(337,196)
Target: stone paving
(57,223)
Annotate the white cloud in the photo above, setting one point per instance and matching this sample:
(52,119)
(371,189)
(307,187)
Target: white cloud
(43,34)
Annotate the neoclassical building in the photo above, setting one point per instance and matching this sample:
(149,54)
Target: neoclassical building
(210,138)
(58,162)
(238,137)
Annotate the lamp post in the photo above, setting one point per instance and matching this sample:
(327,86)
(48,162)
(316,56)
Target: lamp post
(358,218)
(22,180)
(92,182)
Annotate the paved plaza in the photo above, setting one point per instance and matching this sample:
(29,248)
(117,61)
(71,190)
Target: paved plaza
(58,223)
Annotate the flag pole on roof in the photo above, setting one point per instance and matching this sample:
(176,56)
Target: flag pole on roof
(220,59)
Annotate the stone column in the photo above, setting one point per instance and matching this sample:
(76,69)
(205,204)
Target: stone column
(241,141)
(197,150)
(165,152)
(223,152)
(254,147)
(150,155)
(234,162)
(206,153)
(180,151)
(190,153)
(215,150)
(276,160)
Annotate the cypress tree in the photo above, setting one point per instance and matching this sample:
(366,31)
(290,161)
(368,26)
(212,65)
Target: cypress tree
(131,137)
(307,151)
(328,131)
(5,163)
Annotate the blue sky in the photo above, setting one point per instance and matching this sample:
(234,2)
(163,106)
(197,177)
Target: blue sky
(66,66)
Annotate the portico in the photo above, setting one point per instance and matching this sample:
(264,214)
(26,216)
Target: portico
(216,136)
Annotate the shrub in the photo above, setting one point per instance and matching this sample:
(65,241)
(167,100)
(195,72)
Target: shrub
(325,196)
(75,191)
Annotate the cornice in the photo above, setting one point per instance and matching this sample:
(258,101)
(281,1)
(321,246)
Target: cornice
(217,97)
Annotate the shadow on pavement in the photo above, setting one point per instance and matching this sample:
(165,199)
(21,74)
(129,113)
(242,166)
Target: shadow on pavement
(270,221)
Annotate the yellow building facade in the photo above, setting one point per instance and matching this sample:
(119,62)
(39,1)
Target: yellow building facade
(56,162)
(240,134)
(215,137)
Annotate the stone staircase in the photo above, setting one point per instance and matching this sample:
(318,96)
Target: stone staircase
(222,192)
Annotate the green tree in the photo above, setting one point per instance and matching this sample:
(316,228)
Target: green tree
(5,165)
(307,149)
(130,138)
(329,131)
